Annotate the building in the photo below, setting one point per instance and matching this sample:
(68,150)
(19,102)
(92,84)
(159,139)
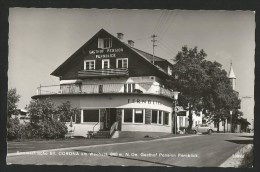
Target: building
(114,85)
(23,116)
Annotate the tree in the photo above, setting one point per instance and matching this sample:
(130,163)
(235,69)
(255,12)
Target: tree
(65,111)
(12,100)
(190,79)
(43,124)
(41,110)
(219,98)
(244,124)
(203,84)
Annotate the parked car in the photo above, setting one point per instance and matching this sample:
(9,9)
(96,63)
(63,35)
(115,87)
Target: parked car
(202,128)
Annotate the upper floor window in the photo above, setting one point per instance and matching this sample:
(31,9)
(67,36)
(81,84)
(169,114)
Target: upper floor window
(104,43)
(129,88)
(105,64)
(122,63)
(89,64)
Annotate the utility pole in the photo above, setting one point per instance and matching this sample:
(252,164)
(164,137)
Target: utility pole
(153,40)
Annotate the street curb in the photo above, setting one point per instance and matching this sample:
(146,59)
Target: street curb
(234,160)
(109,144)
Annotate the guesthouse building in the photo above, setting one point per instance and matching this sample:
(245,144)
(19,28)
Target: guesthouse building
(115,86)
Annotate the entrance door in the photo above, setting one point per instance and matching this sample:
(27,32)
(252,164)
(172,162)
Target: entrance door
(112,116)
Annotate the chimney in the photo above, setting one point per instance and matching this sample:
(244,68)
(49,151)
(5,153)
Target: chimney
(131,43)
(120,36)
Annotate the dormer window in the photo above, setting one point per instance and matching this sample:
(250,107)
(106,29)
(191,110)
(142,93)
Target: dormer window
(104,43)
(89,65)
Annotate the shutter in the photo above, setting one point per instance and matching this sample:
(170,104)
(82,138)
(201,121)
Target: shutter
(133,87)
(100,43)
(125,87)
(148,113)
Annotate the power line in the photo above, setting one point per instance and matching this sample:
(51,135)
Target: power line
(165,22)
(161,22)
(170,24)
(169,48)
(158,22)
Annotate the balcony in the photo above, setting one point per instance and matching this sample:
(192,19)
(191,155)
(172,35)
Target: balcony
(103,73)
(135,88)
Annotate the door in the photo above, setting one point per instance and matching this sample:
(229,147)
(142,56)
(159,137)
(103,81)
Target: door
(112,116)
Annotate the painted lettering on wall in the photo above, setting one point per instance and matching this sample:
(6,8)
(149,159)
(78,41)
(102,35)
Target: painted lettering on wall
(143,101)
(105,53)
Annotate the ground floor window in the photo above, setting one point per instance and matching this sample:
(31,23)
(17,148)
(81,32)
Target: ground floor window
(91,115)
(166,118)
(128,115)
(134,116)
(160,117)
(139,116)
(154,116)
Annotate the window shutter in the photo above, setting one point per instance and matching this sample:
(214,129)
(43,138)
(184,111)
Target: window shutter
(125,86)
(133,87)
(100,43)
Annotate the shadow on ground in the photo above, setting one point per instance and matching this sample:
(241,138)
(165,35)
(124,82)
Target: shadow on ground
(241,141)
(247,136)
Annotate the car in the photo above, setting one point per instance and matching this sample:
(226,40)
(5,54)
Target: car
(202,128)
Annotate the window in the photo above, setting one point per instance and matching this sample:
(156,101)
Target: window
(105,64)
(135,116)
(160,117)
(91,115)
(215,124)
(166,118)
(154,116)
(139,116)
(129,88)
(122,63)
(104,43)
(89,64)
(128,115)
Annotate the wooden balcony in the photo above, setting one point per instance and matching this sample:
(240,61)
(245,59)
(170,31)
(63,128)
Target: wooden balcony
(103,73)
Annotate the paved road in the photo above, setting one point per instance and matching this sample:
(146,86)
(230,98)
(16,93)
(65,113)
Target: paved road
(196,151)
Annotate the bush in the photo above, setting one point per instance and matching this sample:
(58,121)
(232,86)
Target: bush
(52,129)
(13,129)
(248,159)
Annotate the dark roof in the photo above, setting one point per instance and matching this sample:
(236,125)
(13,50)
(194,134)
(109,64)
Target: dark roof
(147,56)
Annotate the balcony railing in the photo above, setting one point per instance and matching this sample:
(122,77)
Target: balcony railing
(141,88)
(103,73)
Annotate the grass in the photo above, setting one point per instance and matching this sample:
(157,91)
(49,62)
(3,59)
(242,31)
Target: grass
(248,159)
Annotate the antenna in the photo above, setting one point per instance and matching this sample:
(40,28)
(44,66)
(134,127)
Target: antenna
(153,40)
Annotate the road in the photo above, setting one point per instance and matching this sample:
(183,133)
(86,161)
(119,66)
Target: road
(195,151)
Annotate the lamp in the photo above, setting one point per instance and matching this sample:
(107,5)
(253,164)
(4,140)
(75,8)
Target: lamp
(231,120)
(175,97)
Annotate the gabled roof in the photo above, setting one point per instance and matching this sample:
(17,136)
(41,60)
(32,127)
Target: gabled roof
(231,74)
(146,56)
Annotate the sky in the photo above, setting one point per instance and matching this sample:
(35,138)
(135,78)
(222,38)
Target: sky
(42,39)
